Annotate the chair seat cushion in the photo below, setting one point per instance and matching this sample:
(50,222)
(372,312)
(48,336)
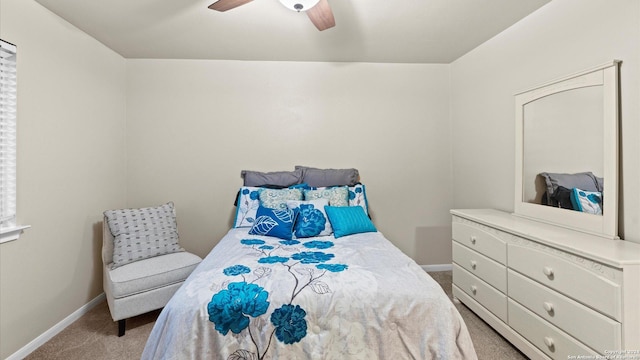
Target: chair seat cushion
(152,273)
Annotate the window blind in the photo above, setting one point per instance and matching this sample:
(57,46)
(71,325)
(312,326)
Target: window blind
(8,95)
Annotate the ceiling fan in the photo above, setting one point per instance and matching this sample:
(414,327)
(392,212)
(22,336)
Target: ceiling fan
(318,11)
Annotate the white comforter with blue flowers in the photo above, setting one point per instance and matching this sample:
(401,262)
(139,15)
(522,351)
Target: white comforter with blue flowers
(355,297)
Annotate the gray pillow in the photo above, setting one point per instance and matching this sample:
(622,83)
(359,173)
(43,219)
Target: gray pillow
(329,177)
(276,178)
(142,233)
(583,181)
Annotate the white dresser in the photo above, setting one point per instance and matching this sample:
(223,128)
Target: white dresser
(552,292)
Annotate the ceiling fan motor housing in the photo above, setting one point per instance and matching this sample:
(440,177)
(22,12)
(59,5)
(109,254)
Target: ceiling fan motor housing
(299,5)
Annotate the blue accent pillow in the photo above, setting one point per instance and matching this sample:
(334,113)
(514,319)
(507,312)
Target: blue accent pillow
(348,220)
(274,222)
(312,219)
(589,202)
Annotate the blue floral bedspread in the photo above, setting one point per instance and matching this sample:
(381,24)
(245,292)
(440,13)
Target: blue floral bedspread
(355,297)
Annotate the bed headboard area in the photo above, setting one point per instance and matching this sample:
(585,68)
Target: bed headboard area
(308,199)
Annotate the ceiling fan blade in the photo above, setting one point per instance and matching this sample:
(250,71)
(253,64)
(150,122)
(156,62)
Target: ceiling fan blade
(224,5)
(321,15)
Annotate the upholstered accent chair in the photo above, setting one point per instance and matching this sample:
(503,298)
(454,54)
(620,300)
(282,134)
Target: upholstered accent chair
(141,283)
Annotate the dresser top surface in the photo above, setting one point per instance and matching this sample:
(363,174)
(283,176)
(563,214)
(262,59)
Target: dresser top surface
(612,252)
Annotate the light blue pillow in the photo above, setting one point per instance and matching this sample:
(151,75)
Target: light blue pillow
(348,220)
(312,220)
(274,222)
(337,196)
(277,198)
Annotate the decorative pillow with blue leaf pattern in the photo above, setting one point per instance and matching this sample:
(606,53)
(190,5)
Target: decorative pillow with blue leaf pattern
(312,219)
(274,222)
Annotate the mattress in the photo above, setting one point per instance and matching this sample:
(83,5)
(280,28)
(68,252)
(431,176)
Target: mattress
(353,297)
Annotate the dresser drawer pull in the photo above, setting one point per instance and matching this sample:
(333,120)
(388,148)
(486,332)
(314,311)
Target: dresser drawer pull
(549,342)
(474,289)
(548,307)
(474,264)
(548,272)
(473,240)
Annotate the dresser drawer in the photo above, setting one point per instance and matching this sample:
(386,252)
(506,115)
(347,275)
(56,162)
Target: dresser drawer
(477,238)
(546,337)
(569,275)
(590,327)
(481,266)
(487,296)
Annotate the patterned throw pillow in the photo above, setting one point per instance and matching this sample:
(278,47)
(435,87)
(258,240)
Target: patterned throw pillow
(277,198)
(246,206)
(142,233)
(589,202)
(274,222)
(312,219)
(337,196)
(358,197)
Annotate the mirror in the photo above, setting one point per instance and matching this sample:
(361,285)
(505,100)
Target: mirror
(552,125)
(567,151)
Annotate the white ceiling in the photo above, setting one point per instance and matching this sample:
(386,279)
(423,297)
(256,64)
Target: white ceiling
(389,31)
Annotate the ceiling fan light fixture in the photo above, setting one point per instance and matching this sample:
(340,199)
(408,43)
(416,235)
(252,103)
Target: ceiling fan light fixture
(299,5)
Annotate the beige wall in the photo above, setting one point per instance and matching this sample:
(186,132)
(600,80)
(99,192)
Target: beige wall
(562,37)
(71,166)
(425,138)
(192,125)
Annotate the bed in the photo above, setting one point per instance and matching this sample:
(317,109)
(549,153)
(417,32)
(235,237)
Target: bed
(264,294)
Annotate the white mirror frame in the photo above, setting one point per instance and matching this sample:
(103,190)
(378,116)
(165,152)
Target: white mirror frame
(606,225)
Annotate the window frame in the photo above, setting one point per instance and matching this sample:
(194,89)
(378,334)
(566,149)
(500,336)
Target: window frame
(9,228)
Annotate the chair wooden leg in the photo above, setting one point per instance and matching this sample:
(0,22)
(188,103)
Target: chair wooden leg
(121,327)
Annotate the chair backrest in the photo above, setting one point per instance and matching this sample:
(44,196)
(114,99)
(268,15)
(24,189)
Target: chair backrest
(107,243)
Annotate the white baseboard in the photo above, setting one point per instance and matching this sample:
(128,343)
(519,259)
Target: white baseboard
(437,267)
(57,328)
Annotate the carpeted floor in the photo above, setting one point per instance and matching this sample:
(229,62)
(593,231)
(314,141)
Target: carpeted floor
(488,343)
(94,335)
